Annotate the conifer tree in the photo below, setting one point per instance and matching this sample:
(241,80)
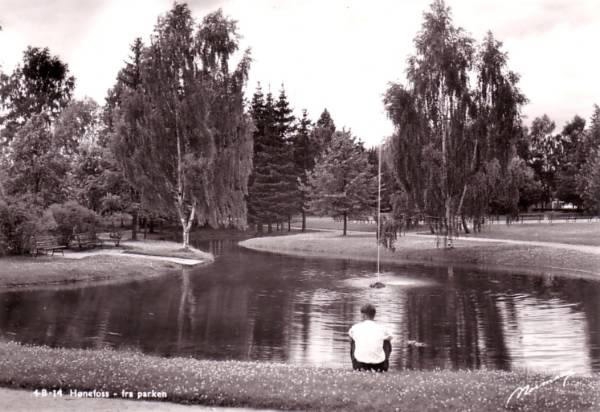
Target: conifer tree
(289,196)
(341,183)
(323,131)
(273,191)
(304,159)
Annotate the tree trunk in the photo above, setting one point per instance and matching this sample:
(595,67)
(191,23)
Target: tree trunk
(464,224)
(270,228)
(289,223)
(134,224)
(145,227)
(448,221)
(151,225)
(186,237)
(303,221)
(345,223)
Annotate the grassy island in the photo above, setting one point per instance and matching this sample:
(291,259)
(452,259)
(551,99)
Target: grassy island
(579,259)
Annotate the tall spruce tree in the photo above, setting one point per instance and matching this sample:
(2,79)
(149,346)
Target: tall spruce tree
(323,132)
(342,183)
(304,151)
(285,123)
(264,186)
(273,184)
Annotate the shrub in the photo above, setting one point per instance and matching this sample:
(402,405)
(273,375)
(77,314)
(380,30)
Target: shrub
(20,219)
(71,217)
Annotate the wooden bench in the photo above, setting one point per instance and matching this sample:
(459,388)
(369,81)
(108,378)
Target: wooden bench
(45,245)
(115,237)
(85,240)
(535,216)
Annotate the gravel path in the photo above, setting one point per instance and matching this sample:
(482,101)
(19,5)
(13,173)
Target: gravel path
(566,246)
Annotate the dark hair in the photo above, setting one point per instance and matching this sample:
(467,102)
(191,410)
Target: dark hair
(368,310)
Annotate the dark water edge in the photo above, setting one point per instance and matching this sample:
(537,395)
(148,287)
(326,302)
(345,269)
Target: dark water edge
(250,305)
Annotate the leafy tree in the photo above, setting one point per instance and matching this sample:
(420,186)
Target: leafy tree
(543,154)
(182,136)
(129,82)
(571,161)
(591,183)
(40,86)
(590,148)
(78,125)
(341,183)
(36,165)
(430,116)
(448,130)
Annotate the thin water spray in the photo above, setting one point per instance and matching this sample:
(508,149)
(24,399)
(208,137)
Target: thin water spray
(378,284)
(378,209)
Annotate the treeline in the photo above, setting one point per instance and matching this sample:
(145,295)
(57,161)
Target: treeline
(175,140)
(301,167)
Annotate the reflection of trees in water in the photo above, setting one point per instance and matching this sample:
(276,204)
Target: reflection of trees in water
(277,308)
(461,329)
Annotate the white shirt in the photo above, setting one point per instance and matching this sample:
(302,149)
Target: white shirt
(368,340)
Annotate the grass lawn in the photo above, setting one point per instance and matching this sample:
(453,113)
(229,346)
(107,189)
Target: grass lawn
(578,233)
(315,222)
(575,233)
(41,271)
(23,271)
(410,249)
(280,386)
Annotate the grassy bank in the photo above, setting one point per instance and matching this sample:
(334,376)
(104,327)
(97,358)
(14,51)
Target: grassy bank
(574,233)
(271,385)
(410,249)
(43,271)
(27,272)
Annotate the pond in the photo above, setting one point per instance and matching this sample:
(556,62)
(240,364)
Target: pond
(256,306)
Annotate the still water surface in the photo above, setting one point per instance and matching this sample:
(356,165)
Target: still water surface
(256,306)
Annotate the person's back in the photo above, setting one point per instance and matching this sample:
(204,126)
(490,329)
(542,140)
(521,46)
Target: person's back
(370,343)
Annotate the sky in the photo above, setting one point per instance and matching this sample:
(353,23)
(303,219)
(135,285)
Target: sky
(334,54)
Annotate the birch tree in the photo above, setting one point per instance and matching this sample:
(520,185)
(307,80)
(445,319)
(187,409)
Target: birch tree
(183,137)
(447,128)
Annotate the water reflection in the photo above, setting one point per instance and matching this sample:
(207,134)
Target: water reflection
(249,305)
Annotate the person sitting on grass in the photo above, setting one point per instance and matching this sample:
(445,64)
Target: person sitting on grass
(370,343)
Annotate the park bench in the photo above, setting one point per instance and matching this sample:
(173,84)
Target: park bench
(532,216)
(86,240)
(115,237)
(45,245)
(574,217)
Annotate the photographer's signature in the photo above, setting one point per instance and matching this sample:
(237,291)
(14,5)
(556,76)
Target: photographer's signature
(528,389)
